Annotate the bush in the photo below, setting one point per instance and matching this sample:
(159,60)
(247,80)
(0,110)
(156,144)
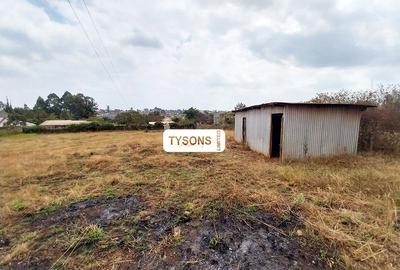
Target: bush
(388,142)
(182,125)
(18,205)
(34,129)
(94,126)
(7,131)
(156,126)
(74,128)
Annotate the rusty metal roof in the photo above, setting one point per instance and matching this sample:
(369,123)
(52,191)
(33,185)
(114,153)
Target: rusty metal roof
(306,104)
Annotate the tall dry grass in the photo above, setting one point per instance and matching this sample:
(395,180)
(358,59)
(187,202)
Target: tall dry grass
(349,201)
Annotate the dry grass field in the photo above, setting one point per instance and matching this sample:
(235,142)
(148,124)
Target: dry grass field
(117,200)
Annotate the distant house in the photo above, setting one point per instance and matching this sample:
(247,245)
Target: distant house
(59,124)
(166,122)
(3,118)
(29,124)
(4,121)
(108,114)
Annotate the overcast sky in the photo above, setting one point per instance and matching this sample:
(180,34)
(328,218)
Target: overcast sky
(206,54)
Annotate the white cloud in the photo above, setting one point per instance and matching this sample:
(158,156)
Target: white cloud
(207,54)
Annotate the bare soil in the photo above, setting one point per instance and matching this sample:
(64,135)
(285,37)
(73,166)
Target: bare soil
(221,240)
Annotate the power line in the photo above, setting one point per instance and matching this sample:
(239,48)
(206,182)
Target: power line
(100,38)
(94,48)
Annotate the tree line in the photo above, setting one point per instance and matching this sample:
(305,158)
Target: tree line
(68,106)
(79,106)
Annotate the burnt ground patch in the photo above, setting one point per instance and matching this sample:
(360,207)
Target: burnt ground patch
(172,238)
(230,242)
(98,210)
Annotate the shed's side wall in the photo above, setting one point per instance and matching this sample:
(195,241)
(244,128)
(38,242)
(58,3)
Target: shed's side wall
(258,127)
(319,131)
(238,126)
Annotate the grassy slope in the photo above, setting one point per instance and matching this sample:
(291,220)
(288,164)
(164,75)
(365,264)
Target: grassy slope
(349,202)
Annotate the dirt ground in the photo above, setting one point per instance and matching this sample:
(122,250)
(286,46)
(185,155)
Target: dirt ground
(255,240)
(116,200)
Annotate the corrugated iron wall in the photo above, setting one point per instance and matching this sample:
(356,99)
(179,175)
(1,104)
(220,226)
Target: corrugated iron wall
(321,131)
(306,131)
(238,126)
(258,123)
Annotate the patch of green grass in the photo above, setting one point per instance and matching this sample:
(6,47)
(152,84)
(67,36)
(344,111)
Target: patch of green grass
(8,132)
(139,243)
(18,205)
(299,199)
(249,209)
(42,213)
(110,193)
(93,234)
(86,237)
(323,254)
(215,241)
(184,173)
(56,230)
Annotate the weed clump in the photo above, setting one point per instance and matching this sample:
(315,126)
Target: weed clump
(18,205)
(216,242)
(299,200)
(94,234)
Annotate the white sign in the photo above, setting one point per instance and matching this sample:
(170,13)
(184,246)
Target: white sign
(194,140)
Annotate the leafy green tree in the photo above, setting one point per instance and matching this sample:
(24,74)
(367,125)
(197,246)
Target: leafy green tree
(54,104)
(154,117)
(131,118)
(8,108)
(240,105)
(191,114)
(78,106)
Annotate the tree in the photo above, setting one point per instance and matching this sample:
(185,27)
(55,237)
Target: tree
(40,105)
(67,107)
(131,118)
(191,114)
(240,105)
(54,104)
(154,117)
(77,106)
(8,108)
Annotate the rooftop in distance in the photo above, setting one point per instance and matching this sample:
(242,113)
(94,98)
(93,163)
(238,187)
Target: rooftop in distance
(63,122)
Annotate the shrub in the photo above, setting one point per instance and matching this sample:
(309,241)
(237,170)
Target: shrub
(34,129)
(182,125)
(18,205)
(94,126)
(299,199)
(156,126)
(94,233)
(7,131)
(388,142)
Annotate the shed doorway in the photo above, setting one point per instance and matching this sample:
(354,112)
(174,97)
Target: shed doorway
(276,134)
(244,130)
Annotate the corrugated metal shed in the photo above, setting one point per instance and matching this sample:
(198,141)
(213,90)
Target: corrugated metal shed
(306,130)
